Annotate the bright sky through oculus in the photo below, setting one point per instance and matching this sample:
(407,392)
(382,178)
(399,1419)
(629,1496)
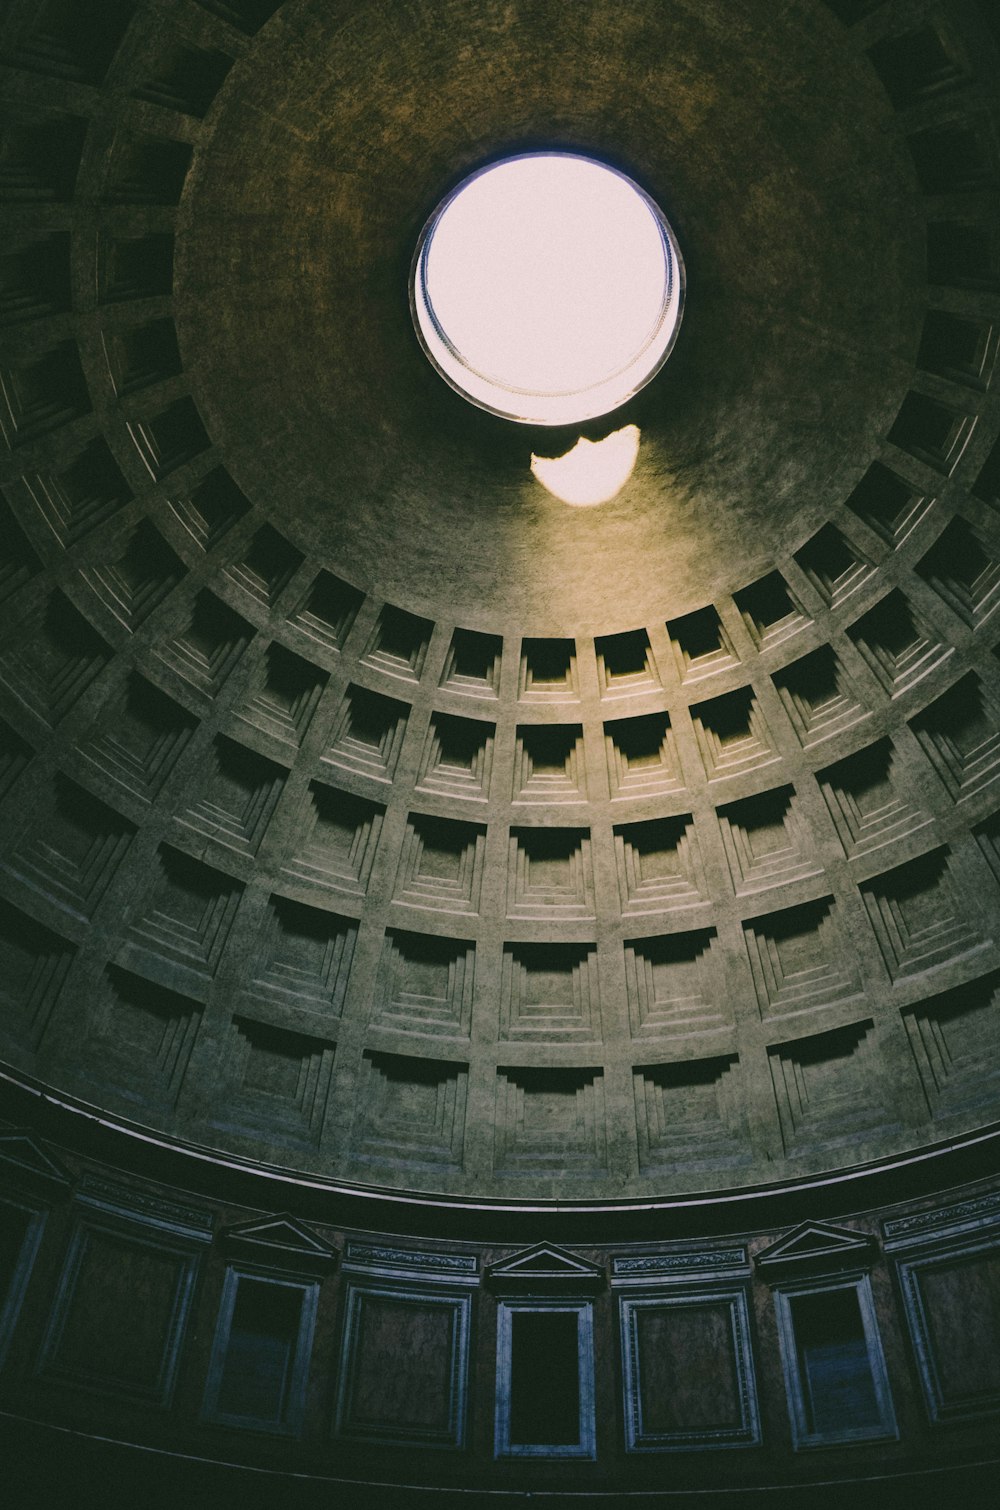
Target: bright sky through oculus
(547,288)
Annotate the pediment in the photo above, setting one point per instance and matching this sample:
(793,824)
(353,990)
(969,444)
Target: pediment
(816,1246)
(280,1241)
(30,1166)
(548,1269)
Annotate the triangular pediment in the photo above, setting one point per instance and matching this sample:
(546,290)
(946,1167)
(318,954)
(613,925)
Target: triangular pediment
(282,1241)
(816,1245)
(29,1165)
(546,1267)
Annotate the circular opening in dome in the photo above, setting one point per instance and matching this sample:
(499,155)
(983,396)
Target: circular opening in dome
(547,288)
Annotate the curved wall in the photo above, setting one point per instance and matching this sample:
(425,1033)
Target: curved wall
(373,819)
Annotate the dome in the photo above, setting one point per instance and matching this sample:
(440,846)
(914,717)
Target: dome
(374,818)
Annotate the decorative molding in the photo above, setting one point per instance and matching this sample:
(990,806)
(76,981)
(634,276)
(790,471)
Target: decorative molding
(403,1399)
(191,1222)
(545,1270)
(744,1429)
(683,1266)
(813,1247)
(363,1256)
(28,1167)
(943,1222)
(288,1417)
(279,1241)
(975,1336)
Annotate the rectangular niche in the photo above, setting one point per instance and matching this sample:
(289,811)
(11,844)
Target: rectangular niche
(337,838)
(701,644)
(42,392)
(441,864)
(963,350)
(139,740)
(767,841)
(550,874)
(659,865)
(183,78)
(818,696)
(769,611)
(134,267)
(135,582)
(72,849)
(147,170)
(687,1371)
(834,1367)
(835,568)
(918,915)
(963,253)
(141,354)
(548,670)
(545,1380)
(829,1088)
(33,966)
(625,663)
(425,984)
(56,659)
(399,642)
(18,561)
(284,696)
(674,985)
(960,735)
(15,756)
(411,1111)
(549,764)
(955,158)
(248,16)
(267,566)
(690,1114)
(472,665)
(238,800)
(40,157)
(897,645)
(732,735)
(951,1301)
(281,1079)
(987,484)
(642,756)
(185,918)
(123,1299)
(404,1364)
(209,510)
(916,65)
(888,505)
(962,569)
(259,1367)
(34,277)
(550,1122)
(458,757)
(305,958)
(800,959)
(68,40)
(169,439)
(955,1039)
(931,431)
(864,796)
(550,993)
(209,646)
(368,734)
(141,1032)
(22,1222)
(328,611)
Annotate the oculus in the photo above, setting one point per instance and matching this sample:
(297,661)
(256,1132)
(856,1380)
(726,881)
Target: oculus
(547,288)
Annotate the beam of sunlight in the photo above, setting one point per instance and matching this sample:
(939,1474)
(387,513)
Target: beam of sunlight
(593,472)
